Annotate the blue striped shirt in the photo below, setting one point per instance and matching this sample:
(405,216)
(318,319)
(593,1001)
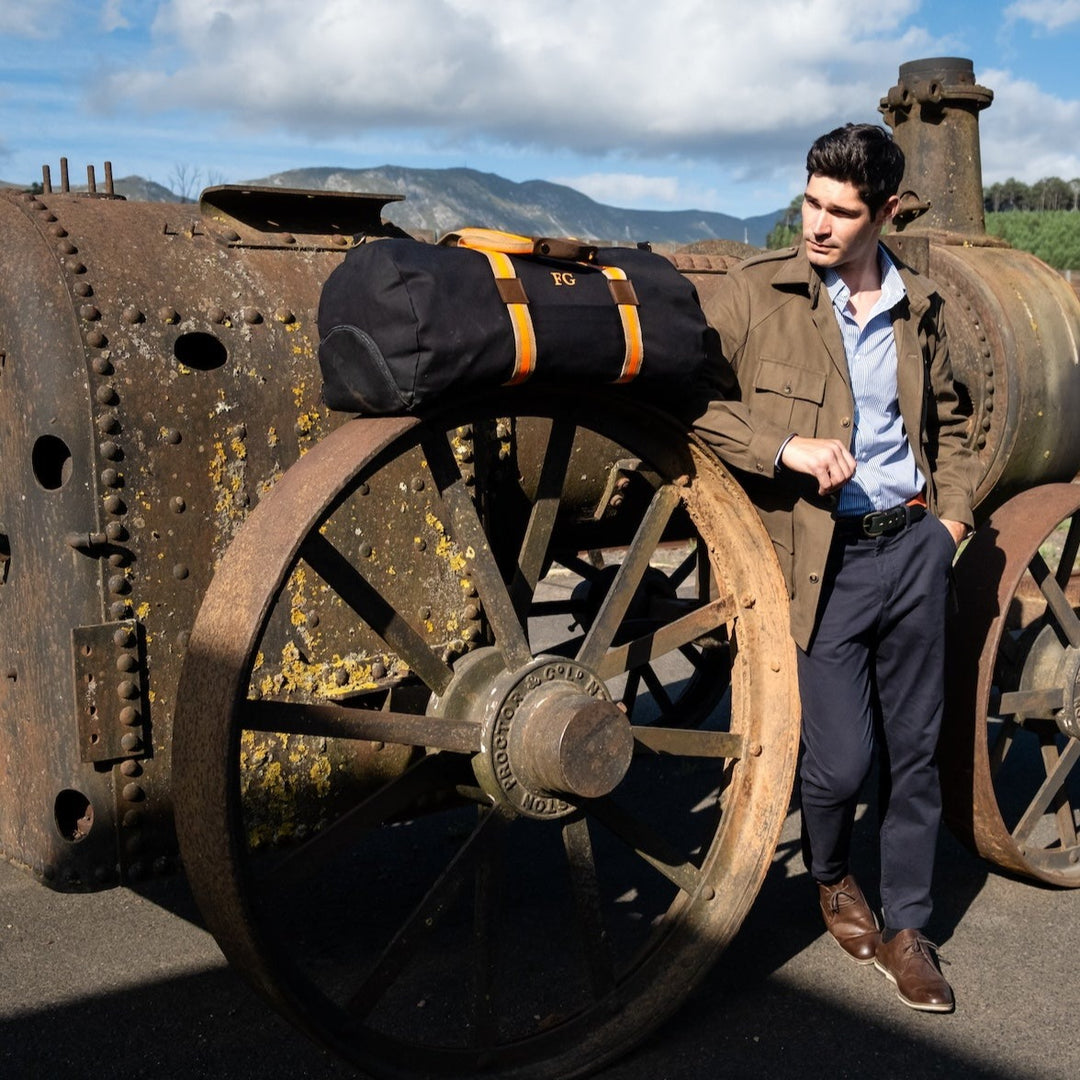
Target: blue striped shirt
(885,471)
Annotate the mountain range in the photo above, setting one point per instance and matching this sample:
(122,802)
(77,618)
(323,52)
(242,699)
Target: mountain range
(439,200)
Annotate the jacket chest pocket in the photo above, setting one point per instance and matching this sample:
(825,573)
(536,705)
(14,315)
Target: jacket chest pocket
(788,395)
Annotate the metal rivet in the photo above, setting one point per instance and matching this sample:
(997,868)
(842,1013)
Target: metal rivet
(252,316)
(217,315)
(123,637)
(107,423)
(472,611)
(102,365)
(132,315)
(341,677)
(126,662)
(127,690)
(312,619)
(133,792)
(378,670)
(173,437)
(59,231)
(180,571)
(77,267)
(121,609)
(106,394)
(96,339)
(129,716)
(116,532)
(110,451)
(424,613)
(364,489)
(133,819)
(183,638)
(230,235)
(366,551)
(110,478)
(755,750)
(708,893)
(168,315)
(89,313)
(130,742)
(130,768)
(420,543)
(338,241)
(418,483)
(284,315)
(114,504)
(83,289)
(177,504)
(119,585)
(238,431)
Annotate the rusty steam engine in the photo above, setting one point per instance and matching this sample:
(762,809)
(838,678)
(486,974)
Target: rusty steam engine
(410,697)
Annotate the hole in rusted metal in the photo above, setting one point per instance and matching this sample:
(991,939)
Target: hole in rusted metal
(200,351)
(51,462)
(74,815)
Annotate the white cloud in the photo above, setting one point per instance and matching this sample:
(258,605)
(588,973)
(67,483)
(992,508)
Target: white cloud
(112,16)
(19,19)
(1027,133)
(618,75)
(1047,14)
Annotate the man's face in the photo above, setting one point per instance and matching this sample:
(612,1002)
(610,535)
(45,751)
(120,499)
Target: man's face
(838,228)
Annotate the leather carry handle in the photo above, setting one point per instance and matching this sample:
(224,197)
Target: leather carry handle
(551,247)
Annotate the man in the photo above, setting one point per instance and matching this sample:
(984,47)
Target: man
(834,398)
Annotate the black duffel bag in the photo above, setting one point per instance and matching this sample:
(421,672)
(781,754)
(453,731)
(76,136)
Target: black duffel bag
(403,323)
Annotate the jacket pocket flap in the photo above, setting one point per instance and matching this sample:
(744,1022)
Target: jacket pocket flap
(791,381)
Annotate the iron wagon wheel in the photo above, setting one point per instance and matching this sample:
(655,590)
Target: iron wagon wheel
(1009,757)
(534,882)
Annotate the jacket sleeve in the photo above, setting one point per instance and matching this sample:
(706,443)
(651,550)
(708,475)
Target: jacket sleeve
(725,419)
(956,466)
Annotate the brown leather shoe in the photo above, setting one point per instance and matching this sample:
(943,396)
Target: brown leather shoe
(908,961)
(849,919)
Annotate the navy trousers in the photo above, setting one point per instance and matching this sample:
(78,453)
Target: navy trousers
(873,676)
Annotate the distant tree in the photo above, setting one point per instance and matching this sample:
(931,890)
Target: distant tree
(1050,193)
(1074,187)
(1051,235)
(184,181)
(789,228)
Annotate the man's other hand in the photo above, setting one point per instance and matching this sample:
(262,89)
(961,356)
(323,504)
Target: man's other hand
(827,460)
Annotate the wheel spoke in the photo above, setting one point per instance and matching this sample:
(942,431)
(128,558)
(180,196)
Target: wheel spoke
(347,581)
(1048,791)
(665,639)
(658,691)
(1063,814)
(595,942)
(1056,600)
(647,844)
(1068,553)
(487,906)
(431,773)
(629,575)
(541,523)
(692,743)
(684,569)
(472,540)
(1042,704)
(580,567)
(424,917)
(1002,745)
(630,691)
(335,722)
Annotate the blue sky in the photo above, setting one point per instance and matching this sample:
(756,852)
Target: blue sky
(705,104)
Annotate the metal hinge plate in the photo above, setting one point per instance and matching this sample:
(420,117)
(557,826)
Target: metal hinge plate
(110,690)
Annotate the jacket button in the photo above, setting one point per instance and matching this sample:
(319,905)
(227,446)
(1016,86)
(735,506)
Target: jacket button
(759,467)
(814,579)
(845,421)
(787,389)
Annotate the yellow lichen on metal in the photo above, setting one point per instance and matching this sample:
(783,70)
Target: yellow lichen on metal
(318,679)
(445,548)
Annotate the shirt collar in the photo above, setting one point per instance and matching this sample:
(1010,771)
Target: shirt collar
(892,286)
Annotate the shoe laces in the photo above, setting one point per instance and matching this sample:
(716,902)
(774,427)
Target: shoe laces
(921,943)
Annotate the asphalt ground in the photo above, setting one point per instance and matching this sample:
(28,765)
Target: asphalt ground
(122,985)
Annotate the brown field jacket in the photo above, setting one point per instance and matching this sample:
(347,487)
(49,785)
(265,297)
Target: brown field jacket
(783,371)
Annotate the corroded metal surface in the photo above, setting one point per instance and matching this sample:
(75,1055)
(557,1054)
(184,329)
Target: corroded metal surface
(1012,740)
(428,886)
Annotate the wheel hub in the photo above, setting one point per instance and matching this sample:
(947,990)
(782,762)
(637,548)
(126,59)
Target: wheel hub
(1048,664)
(551,732)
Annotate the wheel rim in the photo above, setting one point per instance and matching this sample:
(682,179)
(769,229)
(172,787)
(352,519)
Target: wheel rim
(1009,755)
(446,875)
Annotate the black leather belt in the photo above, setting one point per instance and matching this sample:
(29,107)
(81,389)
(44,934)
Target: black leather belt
(881,522)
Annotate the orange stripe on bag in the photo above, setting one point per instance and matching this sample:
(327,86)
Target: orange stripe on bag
(520,319)
(622,292)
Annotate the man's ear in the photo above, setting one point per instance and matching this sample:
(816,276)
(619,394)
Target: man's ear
(888,209)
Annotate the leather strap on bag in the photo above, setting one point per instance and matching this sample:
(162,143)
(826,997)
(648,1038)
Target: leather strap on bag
(498,246)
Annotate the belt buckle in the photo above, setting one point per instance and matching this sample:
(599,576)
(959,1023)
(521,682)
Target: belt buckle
(879,522)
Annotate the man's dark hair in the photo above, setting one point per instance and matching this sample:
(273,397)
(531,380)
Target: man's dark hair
(860,154)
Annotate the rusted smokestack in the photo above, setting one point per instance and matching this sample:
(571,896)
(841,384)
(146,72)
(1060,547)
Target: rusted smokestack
(934,113)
